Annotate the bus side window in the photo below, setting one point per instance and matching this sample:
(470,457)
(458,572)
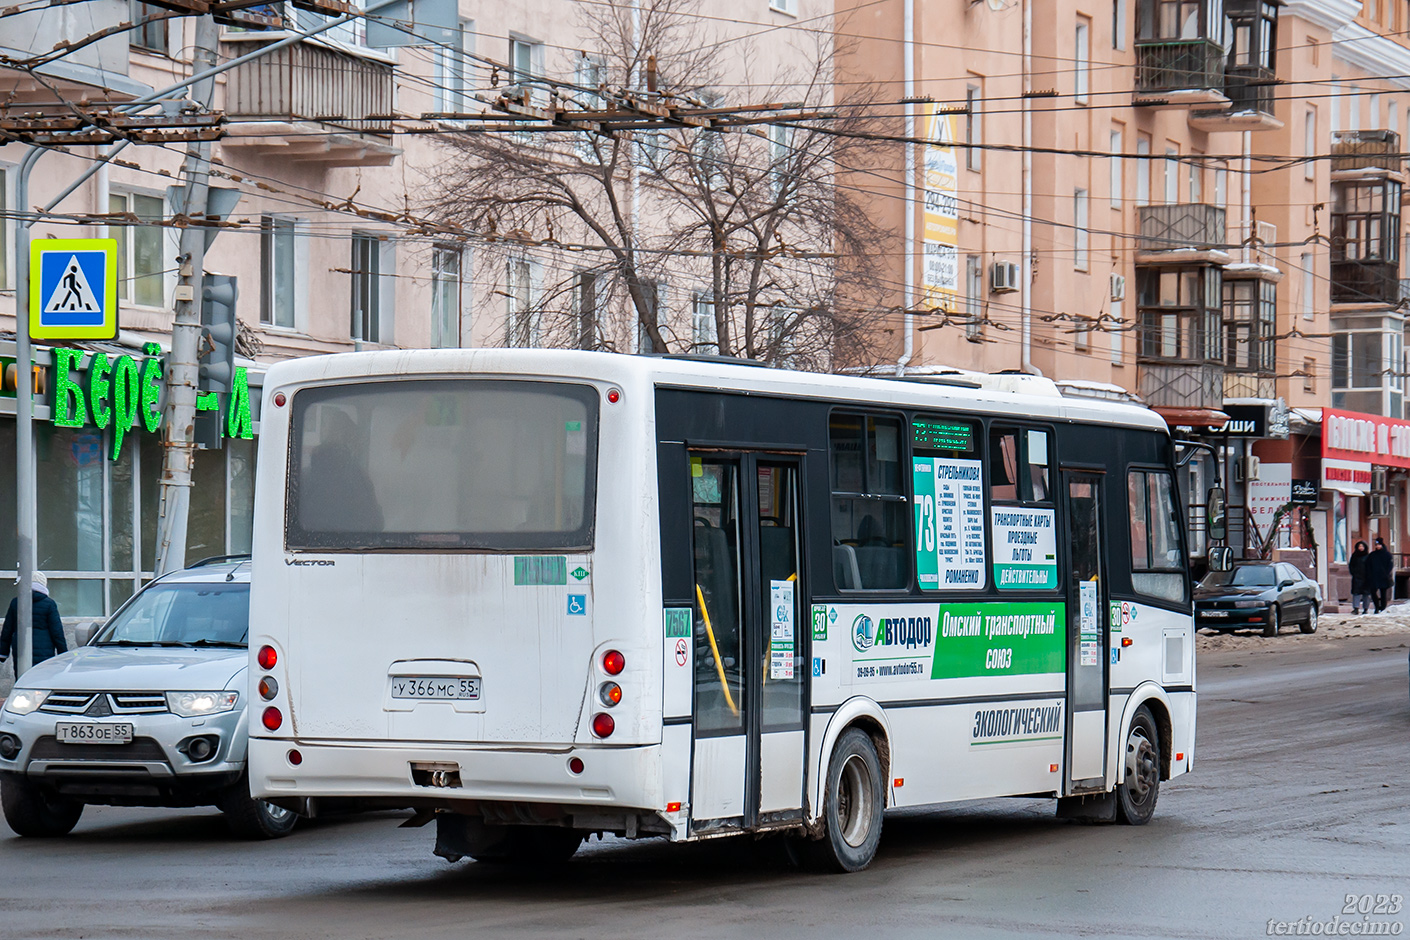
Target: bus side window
(1157,555)
(869,506)
(1018,466)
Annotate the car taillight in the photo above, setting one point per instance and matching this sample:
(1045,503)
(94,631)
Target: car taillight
(610,693)
(267,657)
(613,662)
(272,718)
(603,725)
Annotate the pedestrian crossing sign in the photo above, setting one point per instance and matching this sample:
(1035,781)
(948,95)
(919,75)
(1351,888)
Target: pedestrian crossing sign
(73,288)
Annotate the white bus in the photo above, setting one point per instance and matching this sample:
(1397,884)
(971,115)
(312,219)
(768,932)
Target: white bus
(535,595)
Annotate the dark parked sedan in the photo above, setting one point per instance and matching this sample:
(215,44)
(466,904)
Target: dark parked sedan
(1257,594)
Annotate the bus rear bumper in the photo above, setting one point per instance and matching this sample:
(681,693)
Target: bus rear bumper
(426,775)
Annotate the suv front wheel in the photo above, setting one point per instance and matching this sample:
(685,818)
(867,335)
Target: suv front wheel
(31,811)
(250,818)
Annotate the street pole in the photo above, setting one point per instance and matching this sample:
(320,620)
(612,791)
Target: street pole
(24,430)
(179,442)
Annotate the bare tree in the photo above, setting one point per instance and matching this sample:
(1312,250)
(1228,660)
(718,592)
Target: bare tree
(751,211)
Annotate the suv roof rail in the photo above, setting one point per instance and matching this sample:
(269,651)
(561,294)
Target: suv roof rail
(216,559)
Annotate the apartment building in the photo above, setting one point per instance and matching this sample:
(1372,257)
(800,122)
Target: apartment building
(341,239)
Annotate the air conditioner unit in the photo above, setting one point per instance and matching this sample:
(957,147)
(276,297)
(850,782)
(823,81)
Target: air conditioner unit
(1003,277)
(1246,469)
(1118,287)
(1379,504)
(1378,480)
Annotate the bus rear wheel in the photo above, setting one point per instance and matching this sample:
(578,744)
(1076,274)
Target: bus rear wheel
(1137,793)
(852,807)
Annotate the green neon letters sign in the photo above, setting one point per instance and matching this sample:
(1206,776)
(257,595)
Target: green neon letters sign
(127,396)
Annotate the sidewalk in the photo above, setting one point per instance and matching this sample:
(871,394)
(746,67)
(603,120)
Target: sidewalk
(1395,622)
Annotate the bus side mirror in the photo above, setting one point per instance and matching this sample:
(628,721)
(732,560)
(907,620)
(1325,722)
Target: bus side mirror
(1221,558)
(1214,512)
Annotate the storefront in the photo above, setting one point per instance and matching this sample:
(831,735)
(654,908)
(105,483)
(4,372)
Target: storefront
(1365,465)
(98,476)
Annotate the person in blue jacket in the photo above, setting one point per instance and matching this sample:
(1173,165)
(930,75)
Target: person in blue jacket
(48,627)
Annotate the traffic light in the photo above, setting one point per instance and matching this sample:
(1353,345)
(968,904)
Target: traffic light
(216,359)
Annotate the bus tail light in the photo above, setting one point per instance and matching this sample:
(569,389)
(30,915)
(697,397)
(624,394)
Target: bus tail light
(267,657)
(575,765)
(268,688)
(603,725)
(610,693)
(272,718)
(613,662)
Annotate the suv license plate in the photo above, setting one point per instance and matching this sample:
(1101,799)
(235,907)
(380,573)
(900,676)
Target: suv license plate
(437,688)
(93,732)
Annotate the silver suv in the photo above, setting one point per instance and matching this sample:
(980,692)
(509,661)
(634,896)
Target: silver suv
(151,712)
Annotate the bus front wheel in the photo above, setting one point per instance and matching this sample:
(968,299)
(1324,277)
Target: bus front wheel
(852,806)
(1137,793)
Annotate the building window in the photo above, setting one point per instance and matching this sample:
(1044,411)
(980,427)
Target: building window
(1305,263)
(1180,313)
(1196,179)
(1375,102)
(1366,221)
(445,296)
(141,248)
(591,73)
(1309,375)
(784,6)
(1366,359)
(278,265)
(1079,229)
(1118,25)
(1221,184)
(1309,143)
(6,226)
(1166,20)
(1082,61)
(973,127)
(870,513)
(366,305)
(522,320)
(526,68)
(704,331)
(1117,171)
(974,297)
(1353,108)
(149,37)
(1393,117)
(1250,324)
(1143,170)
(779,153)
(585,306)
(1082,334)
(1172,176)
(1018,466)
(453,70)
(1117,334)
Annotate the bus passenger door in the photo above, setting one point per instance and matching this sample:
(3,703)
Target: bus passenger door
(1087,638)
(747,766)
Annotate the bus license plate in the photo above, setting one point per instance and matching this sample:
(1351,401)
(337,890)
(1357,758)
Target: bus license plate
(93,732)
(437,688)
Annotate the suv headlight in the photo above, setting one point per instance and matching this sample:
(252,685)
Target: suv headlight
(196,704)
(24,701)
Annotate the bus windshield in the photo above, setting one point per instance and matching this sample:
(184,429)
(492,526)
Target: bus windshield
(441,465)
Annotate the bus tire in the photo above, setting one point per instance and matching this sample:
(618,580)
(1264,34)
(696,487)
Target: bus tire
(32,812)
(1271,628)
(853,804)
(1136,795)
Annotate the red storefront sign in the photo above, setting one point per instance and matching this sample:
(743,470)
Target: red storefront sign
(1348,435)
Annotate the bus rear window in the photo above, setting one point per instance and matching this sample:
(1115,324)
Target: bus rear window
(442,465)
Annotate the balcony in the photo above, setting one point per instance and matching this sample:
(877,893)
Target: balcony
(1181,385)
(285,104)
(1251,98)
(88,68)
(1365,152)
(1249,385)
(1366,282)
(1179,72)
(1182,231)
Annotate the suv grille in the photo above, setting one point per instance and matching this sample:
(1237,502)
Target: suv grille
(104,704)
(141,749)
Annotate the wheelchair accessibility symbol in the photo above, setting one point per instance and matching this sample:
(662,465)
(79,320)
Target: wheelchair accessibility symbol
(577,605)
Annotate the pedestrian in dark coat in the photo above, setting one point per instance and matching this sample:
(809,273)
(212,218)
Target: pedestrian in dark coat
(1382,571)
(1359,565)
(48,630)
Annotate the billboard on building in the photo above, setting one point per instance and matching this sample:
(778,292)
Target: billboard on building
(1365,439)
(940,274)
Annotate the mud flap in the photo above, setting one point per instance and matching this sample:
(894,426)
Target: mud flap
(1096,807)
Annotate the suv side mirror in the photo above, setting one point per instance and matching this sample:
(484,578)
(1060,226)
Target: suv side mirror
(84,633)
(1214,514)
(1221,558)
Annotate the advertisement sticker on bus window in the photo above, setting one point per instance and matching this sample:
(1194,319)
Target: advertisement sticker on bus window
(949,519)
(1025,548)
(1003,639)
(781,630)
(1087,596)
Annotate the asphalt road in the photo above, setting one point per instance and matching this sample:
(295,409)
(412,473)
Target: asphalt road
(1297,800)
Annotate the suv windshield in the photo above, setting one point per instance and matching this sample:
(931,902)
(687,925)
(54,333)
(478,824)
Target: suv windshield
(207,614)
(1242,576)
